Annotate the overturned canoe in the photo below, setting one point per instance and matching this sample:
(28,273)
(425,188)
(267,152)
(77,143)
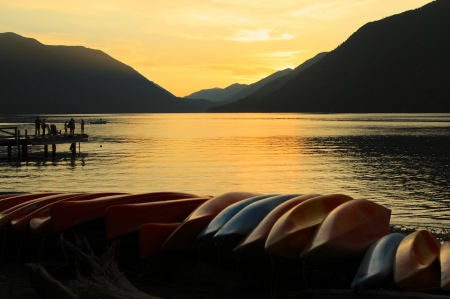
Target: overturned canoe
(224,216)
(22,210)
(68,214)
(417,266)
(445,266)
(377,267)
(123,219)
(152,236)
(241,224)
(44,209)
(256,240)
(21,199)
(186,234)
(348,231)
(293,229)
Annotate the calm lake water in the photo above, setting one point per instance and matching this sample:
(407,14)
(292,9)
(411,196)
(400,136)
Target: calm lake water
(401,161)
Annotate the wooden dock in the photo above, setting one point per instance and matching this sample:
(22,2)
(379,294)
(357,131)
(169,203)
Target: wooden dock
(11,137)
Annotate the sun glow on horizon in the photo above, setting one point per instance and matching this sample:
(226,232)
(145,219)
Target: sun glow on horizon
(188,46)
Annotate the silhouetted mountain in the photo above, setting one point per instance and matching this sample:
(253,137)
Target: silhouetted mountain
(255,86)
(37,78)
(398,64)
(279,82)
(217,94)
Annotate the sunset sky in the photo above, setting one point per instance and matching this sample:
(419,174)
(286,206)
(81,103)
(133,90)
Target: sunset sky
(185,46)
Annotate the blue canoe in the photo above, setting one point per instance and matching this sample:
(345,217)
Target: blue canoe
(238,227)
(377,267)
(213,227)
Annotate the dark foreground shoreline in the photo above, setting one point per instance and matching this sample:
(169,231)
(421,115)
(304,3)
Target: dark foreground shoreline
(207,272)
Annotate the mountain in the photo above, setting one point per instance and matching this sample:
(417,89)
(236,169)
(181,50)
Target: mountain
(279,82)
(217,94)
(37,78)
(398,64)
(255,86)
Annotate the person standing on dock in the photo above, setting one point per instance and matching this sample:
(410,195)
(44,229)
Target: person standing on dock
(82,126)
(43,125)
(37,126)
(72,126)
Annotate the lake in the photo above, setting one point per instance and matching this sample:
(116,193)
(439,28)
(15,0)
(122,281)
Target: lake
(401,161)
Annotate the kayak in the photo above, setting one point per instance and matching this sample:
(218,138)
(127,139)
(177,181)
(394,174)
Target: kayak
(293,229)
(238,227)
(126,218)
(44,210)
(152,236)
(348,231)
(445,266)
(224,216)
(186,234)
(377,267)
(68,214)
(256,240)
(417,266)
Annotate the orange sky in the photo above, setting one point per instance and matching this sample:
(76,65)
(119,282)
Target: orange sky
(186,46)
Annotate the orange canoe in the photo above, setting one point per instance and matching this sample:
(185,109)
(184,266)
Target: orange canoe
(152,236)
(23,210)
(348,231)
(293,229)
(20,199)
(68,214)
(417,266)
(44,209)
(123,219)
(186,234)
(445,266)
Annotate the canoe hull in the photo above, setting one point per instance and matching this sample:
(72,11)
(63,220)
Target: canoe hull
(417,266)
(348,231)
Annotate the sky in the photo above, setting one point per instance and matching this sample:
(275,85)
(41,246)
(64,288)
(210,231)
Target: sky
(189,45)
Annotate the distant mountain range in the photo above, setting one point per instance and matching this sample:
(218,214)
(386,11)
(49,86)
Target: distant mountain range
(217,94)
(37,78)
(398,64)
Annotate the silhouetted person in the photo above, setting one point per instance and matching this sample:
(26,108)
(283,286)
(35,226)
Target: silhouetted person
(43,126)
(65,127)
(82,126)
(37,126)
(72,126)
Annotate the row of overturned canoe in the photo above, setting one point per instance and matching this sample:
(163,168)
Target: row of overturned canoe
(308,227)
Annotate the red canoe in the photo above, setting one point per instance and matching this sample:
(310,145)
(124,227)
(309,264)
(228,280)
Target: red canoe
(44,209)
(23,210)
(417,266)
(40,225)
(348,231)
(68,214)
(256,240)
(20,199)
(186,234)
(293,229)
(152,236)
(123,219)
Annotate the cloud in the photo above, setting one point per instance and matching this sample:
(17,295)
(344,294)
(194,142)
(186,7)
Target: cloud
(246,35)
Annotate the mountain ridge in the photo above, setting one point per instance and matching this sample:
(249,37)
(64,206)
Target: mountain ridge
(397,64)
